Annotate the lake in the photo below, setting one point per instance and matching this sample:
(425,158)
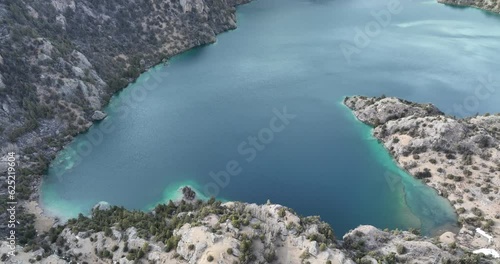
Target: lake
(259,115)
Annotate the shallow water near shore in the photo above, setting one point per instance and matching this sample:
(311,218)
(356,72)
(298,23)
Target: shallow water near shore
(421,206)
(180,122)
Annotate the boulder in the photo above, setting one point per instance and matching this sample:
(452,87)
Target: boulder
(98,115)
(103,206)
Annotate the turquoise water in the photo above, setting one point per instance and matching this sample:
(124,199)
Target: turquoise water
(197,115)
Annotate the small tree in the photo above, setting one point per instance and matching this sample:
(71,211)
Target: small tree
(322,247)
(282,212)
(401,249)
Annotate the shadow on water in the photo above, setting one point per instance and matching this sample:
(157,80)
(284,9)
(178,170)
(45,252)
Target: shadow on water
(457,7)
(192,54)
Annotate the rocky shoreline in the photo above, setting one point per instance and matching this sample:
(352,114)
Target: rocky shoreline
(458,157)
(76,68)
(451,155)
(488,5)
(192,231)
(76,55)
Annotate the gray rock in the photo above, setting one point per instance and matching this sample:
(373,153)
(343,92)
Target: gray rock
(103,206)
(313,248)
(83,234)
(417,250)
(98,115)
(2,85)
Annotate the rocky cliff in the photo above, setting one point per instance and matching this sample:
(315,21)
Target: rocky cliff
(62,60)
(458,157)
(233,232)
(489,5)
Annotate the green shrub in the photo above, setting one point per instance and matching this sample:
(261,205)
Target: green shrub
(414,231)
(305,255)
(322,247)
(172,243)
(282,212)
(401,249)
(426,173)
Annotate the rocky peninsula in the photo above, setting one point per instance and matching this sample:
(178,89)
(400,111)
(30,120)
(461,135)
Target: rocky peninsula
(459,158)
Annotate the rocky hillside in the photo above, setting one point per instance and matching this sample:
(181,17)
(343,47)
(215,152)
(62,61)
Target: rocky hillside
(458,157)
(489,5)
(61,61)
(233,232)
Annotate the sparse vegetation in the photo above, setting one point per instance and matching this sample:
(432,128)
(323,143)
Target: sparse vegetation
(41,56)
(400,249)
(426,173)
(282,212)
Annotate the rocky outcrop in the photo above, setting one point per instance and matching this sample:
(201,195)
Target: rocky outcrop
(101,206)
(405,247)
(188,194)
(458,157)
(232,232)
(98,115)
(488,5)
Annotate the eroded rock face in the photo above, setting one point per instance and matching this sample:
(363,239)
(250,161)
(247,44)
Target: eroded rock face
(458,157)
(245,233)
(2,84)
(236,232)
(192,6)
(405,246)
(62,5)
(101,206)
(381,110)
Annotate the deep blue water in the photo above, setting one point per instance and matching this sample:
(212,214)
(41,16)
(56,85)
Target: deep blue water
(181,121)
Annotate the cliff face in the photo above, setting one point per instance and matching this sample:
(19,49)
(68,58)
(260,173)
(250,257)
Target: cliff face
(458,157)
(489,5)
